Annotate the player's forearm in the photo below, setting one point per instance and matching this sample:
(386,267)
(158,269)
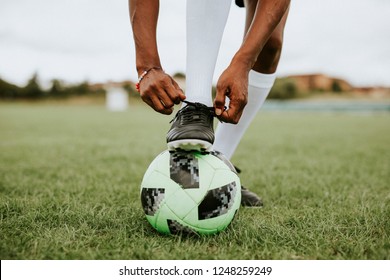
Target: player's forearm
(143,17)
(267,17)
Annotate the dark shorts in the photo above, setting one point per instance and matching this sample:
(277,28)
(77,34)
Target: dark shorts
(240,3)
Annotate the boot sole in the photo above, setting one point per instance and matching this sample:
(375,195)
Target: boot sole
(189,145)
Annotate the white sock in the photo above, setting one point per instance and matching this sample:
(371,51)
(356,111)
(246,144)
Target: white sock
(206,20)
(228,136)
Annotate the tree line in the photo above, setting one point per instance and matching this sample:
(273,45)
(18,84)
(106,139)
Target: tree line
(33,90)
(284,88)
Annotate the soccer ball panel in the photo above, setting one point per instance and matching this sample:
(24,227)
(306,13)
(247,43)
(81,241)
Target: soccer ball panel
(180,203)
(161,221)
(224,159)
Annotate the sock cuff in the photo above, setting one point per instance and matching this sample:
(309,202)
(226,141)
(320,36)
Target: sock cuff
(260,80)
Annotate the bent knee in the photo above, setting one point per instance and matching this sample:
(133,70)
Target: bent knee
(273,47)
(268,59)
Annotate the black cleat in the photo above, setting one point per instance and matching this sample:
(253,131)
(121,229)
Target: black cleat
(248,198)
(192,128)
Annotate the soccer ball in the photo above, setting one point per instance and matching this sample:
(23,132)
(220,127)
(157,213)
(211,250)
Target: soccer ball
(190,192)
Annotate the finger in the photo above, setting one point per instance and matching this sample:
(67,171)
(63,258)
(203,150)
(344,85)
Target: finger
(176,93)
(147,101)
(229,116)
(156,97)
(233,113)
(158,106)
(165,99)
(220,99)
(225,117)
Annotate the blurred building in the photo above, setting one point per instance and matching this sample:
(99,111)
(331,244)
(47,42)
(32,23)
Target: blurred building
(117,98)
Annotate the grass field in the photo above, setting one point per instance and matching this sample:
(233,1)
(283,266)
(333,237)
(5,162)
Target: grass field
(70,176)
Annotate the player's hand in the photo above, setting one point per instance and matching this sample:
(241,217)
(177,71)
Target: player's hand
(160,91)
(233,84)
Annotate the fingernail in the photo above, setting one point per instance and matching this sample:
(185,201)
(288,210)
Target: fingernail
(218,111)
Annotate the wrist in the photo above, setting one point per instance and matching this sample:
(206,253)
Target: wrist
(145,61)
(147,67)
(242,63)
(143,74)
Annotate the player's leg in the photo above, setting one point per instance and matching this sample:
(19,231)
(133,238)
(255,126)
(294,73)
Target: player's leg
(268,60)
(261,80)
(193,126)
(206,22)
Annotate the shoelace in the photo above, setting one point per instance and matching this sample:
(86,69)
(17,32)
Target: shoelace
(188,115)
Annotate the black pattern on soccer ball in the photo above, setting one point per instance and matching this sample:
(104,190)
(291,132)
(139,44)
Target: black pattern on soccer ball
(217,201)
(184,169)
(151,199)
(178,229)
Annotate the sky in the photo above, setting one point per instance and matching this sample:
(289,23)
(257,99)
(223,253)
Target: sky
(91,40)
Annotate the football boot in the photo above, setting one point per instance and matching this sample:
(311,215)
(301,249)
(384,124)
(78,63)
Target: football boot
(249,198)
(192,128)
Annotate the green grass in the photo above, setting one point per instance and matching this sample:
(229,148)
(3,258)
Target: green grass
(70,176)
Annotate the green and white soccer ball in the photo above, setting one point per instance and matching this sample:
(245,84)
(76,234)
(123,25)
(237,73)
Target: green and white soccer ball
(190,192)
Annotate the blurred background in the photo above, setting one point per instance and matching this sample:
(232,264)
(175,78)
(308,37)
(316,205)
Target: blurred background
(57,49)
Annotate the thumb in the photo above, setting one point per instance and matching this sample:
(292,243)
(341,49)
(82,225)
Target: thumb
(220,99)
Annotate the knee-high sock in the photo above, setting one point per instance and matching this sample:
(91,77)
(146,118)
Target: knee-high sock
(206,20)
(228,136)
